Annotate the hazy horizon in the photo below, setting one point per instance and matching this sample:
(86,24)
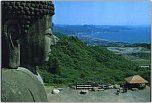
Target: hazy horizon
(107,24)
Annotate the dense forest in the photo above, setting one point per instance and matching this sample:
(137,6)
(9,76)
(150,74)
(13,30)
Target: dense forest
(73,61)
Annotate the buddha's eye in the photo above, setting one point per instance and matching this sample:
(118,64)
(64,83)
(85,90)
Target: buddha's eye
(48,34)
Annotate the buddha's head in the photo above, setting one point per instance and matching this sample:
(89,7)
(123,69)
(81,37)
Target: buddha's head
(27,32)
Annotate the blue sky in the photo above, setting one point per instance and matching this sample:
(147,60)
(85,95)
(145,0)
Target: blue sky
(102,13)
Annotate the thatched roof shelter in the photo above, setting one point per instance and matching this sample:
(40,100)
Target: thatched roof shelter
(135,79)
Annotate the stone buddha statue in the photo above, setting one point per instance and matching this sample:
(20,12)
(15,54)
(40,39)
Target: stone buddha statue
(26,40)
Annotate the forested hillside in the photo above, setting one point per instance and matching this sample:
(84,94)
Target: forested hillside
(73,61)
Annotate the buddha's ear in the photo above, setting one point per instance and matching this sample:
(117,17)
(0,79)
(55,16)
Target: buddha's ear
(18,41)
(10,41)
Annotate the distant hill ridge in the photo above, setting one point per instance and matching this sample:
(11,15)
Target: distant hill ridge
(73,61)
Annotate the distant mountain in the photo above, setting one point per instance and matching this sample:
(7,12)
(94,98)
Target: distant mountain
(145,45)
(107,35)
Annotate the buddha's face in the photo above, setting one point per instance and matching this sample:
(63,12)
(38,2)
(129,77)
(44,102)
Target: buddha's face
(41,47)
(49,39)
(31,48)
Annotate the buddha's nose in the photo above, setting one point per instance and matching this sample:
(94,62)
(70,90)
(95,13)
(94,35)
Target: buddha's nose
(56,39)
(53,37)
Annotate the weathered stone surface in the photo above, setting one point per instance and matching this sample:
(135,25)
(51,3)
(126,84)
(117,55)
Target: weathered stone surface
(31,73)
(25,42)
(20,86)
(11,44)
(29,21)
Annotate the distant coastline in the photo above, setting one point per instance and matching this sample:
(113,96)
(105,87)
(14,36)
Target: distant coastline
(114,33)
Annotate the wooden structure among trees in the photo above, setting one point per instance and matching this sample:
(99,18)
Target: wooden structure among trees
(135,81)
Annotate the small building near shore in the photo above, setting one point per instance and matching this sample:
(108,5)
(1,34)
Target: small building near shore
(135,81)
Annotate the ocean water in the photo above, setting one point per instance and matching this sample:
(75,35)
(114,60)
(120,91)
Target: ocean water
(120,33)
(137,34)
